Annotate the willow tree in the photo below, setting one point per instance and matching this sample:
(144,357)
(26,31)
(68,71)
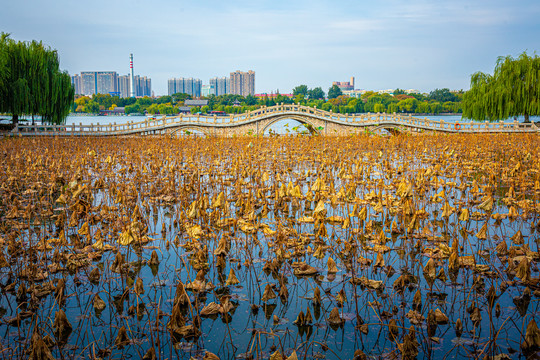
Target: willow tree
(32,83)
(512,90)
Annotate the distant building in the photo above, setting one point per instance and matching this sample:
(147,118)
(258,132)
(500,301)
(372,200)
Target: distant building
(344,85)
(76,82)
(123,85)
(188,86)
(242,83)
(190,102)
(387,91)
(221,85)
(354,93)
(143,86)
(207,90)
(98,82)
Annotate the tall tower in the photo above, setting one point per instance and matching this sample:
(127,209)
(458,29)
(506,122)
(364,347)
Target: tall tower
(132,92)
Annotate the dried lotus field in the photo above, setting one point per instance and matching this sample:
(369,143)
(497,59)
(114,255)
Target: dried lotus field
(270,248)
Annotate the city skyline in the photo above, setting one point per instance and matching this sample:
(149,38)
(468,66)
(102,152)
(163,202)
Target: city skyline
(420,44)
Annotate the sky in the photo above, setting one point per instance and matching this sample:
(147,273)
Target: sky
(384,44)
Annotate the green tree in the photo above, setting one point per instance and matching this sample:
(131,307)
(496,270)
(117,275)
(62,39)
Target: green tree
(334,92)
(251,100)
(91,107)
(442,95)
(512,90)
(31,82)
(316,93)
(180,97)
(300,90)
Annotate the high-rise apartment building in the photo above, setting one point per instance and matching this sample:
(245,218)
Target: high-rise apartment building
(99,82)
(220,84)
(242,83)
(143,86)
(208,90)
(76,82)
(188,86)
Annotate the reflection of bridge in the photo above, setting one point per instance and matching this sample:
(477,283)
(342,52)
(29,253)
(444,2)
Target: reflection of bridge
(256,122)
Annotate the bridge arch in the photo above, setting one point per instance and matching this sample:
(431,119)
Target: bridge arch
(180,130)
(392,129)
(300,118)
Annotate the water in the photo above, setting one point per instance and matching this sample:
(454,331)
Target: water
(144,172)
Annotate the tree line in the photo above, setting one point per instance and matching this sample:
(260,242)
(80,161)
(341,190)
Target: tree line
(438,101)
(31,82)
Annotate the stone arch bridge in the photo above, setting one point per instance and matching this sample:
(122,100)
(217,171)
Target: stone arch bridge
(258,121)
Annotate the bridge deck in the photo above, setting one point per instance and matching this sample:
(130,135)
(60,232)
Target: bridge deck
(265,115)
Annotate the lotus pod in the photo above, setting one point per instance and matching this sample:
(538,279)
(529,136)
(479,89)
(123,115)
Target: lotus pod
(459,327)
(293,356)
(497,310)
(334,318)
(94,275)
(523,270)
(211,309)
(518,238)
(62,327)
(210,356)
(176,321)
(379,262)
(284,293)
(482,234)
(512,212)
(268,294)
(317,296)
(359,355)
(139,287)
(154,259)
(417,300)
(222,249)
(441,275)
(276,319)
(430,271)
(300,319)
(276,356)
(141,309)
(308,318)
(464,216)
(532,337)
(437,317)
(99,304)
(487,204)
(319,253)
(181,297)
(393,330)
(322,232)
(122,338)
(232,279)
(502,248)
(39,350)
(341,297)
(332,267)
(150,354)
(453,262)
(409,348)
(118,263)
(476,316)
(320,210)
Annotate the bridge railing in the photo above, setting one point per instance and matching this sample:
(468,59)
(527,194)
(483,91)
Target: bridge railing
(369,119)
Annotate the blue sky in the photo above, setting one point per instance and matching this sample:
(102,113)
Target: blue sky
(384,44)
